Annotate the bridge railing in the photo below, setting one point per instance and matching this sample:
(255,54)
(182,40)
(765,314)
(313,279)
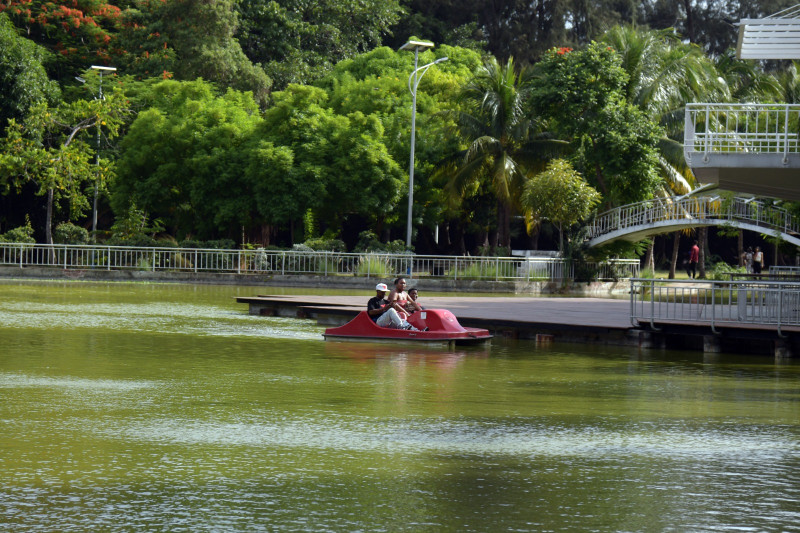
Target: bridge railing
(741,128)
(716,303)
(694,208)
(784,269)
(290,262)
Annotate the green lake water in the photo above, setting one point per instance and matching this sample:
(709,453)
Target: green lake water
(158,407)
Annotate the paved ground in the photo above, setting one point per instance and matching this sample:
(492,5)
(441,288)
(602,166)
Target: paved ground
(584,312)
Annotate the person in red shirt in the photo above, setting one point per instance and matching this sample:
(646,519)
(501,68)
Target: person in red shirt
(694,258)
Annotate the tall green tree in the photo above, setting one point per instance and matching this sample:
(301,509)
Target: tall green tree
(186,160)
(376,83)
(53,149)
(560,195)
(298,42)
(502,142)
(663,75)
(189,39)
(342,166)
(582,92)
(23,79)
(78,32)
(746,80)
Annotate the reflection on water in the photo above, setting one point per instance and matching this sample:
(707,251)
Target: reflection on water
(159,407)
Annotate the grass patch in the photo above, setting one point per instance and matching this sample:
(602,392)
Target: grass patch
(373,266)
(484,270)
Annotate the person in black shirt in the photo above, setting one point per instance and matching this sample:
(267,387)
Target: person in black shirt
(382,313)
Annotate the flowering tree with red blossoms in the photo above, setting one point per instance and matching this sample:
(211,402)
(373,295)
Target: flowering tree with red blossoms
(80,32)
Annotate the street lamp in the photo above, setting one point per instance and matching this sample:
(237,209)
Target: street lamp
(416,46)
(97,155)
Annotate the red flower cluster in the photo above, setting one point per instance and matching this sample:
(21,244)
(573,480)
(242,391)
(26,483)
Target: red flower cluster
(563,50)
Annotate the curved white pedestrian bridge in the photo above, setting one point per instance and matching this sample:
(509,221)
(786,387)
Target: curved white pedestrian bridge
(634,222)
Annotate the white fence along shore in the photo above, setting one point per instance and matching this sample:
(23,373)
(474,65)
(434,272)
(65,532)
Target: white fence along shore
(290,262)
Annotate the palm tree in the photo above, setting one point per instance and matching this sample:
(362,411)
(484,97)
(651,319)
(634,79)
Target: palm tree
(746,81)
(664,75)
(503,143)
(789,81)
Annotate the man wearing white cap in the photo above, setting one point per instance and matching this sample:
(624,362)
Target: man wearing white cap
(385,314)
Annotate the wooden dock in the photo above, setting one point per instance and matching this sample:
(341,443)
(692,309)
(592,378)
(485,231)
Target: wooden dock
(583,320)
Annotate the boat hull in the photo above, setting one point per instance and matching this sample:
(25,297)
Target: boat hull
(443,327)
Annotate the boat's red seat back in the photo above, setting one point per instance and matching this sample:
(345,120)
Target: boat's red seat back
(435,320)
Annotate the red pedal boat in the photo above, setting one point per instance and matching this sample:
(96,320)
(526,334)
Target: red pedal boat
(443,327)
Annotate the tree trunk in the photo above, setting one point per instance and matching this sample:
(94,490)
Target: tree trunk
(649,260)
(503,224)
(48,227)
(673,262)
(740,248)
(687,4)
(461,246)
(701,263)
(776,259)
(533,242)
(266,231)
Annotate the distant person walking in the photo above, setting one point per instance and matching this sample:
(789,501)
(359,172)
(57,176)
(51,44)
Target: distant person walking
(748,260)
(694,257)
(758,261)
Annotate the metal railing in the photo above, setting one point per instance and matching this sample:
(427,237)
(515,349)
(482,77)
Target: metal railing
(690,208)
(716,303)
(289,262)
(744,128)
(779,269)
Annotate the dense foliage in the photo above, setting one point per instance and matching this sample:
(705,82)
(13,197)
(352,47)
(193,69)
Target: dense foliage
(275,122)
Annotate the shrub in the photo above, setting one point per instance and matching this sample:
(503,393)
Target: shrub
(134,240)
(326,245)
(220,244)
(369,242)
(722,271)
(22,234)
(494,251)
(69,233)
(191,243)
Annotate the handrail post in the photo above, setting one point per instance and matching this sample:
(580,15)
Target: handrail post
(713,308)
(653,305)
(633,312)
(786,135)
(708,134)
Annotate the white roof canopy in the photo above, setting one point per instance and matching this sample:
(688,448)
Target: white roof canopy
(774,37)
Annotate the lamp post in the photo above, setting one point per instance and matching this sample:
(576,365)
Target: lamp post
(97,155)
(416,46)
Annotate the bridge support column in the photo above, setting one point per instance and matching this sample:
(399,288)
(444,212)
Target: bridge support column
(711,344)
(783,349)
(647,339)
